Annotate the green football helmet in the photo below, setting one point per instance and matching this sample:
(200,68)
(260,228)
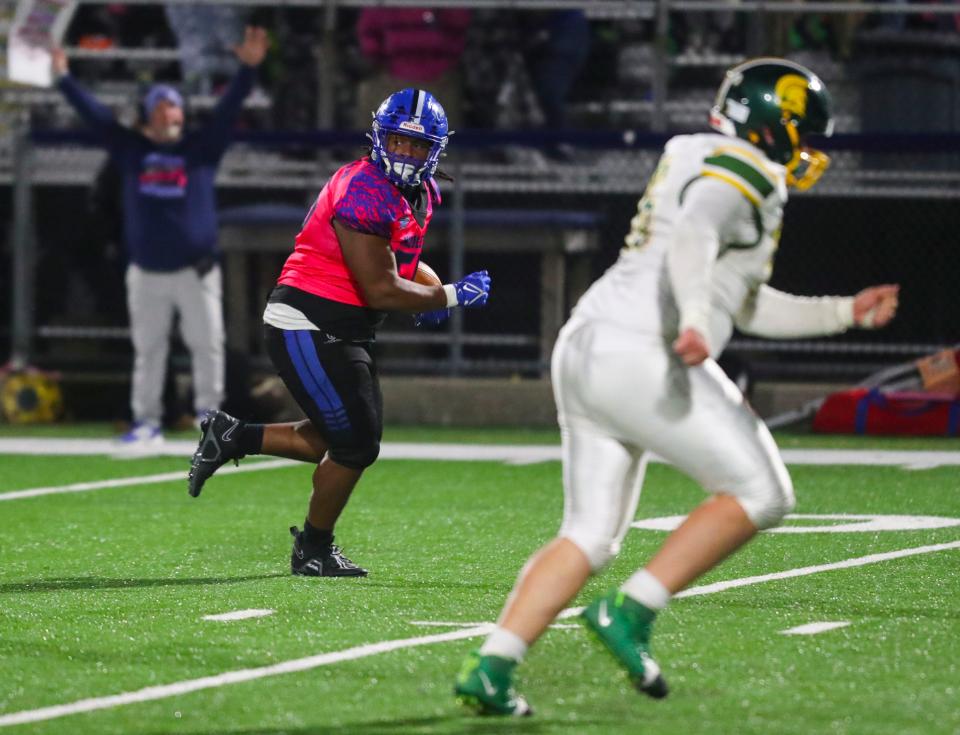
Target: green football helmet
(774,104)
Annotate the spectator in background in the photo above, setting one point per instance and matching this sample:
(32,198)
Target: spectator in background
(169,234)
(520,69)
(412,47)
(907,21)
(947,23)
(205,36)
(561,44)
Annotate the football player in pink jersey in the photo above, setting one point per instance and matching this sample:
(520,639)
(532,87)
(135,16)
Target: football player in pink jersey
(354,259)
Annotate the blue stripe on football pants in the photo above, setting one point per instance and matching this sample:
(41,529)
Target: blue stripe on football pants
(303,354)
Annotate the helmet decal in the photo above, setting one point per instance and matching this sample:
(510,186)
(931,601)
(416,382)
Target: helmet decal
(791,90)
(737,111)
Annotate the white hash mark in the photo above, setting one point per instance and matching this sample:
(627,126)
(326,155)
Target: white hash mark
(240,615)
(814,628)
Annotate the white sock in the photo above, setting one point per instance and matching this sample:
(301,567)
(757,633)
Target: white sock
(501,642)
(647,590)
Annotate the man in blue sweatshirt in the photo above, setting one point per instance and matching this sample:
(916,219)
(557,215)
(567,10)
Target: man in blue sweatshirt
(170,234)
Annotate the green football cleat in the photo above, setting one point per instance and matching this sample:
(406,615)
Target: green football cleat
(485,684)
(624,626)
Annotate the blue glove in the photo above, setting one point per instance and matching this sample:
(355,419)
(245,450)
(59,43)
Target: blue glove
(431,318)
(473,290)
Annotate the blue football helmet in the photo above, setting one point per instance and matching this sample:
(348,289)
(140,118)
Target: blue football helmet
(417,114)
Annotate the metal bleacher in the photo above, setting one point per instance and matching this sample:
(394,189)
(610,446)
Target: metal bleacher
(508,194)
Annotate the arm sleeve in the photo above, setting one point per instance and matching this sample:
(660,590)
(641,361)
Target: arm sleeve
(93,112)
(773,313)
(366,207)
(225,114)
(707,212)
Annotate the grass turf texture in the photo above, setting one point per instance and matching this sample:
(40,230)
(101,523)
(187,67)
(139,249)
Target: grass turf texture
(505,435)
(104,592)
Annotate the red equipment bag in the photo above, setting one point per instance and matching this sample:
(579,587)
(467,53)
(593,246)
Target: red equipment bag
(863,411)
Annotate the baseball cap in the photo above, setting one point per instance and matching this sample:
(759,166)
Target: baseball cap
(158,93)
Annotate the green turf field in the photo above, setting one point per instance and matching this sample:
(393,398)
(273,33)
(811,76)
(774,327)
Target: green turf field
(104,593)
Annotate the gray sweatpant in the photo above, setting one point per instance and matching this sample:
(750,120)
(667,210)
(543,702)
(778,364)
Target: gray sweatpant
(152,299)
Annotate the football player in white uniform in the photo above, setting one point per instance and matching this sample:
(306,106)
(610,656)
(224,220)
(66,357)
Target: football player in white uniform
(634,372)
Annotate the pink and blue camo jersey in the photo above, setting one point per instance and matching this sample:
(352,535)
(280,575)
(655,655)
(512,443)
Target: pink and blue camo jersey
(361,198)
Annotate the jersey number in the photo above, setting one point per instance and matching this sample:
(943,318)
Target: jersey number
(639,233)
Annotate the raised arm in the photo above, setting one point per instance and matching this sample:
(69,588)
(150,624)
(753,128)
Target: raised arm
(93,112)
(250,54)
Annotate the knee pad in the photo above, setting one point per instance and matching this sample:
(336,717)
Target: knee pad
(767,502)
(356,457)
(599,551)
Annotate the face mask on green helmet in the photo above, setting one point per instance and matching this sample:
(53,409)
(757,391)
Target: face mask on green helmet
(774,104)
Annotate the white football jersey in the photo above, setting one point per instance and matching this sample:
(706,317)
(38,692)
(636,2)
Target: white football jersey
(636,293)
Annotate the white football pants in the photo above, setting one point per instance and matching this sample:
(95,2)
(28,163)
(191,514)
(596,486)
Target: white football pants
(152,300)
(620,394)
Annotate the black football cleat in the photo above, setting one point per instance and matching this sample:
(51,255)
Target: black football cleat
(219,443)
(328,561)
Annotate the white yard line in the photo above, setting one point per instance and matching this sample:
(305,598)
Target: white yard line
(164,691)
(709,589)
(875,457)
(81,487)
(511,454)
(814,628)
(490,626)
(239,615)
(88,447)
(860,561)
(325,659)
(855,523)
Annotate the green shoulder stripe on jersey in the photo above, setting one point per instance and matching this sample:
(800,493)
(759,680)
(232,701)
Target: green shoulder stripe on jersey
(750,174)
(757,218)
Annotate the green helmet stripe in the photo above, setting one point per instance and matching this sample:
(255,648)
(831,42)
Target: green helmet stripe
(745,171)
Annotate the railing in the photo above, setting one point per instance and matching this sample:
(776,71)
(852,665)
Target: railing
(612,163)
(38,163)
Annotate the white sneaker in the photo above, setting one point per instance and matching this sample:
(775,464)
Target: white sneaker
(143,440)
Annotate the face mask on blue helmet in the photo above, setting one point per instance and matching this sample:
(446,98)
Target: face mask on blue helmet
(416,114)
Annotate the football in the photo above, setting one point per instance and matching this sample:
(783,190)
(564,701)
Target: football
(426,275)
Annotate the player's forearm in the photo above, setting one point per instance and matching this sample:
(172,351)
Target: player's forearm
(775,314)
(228,108)
(399,294)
